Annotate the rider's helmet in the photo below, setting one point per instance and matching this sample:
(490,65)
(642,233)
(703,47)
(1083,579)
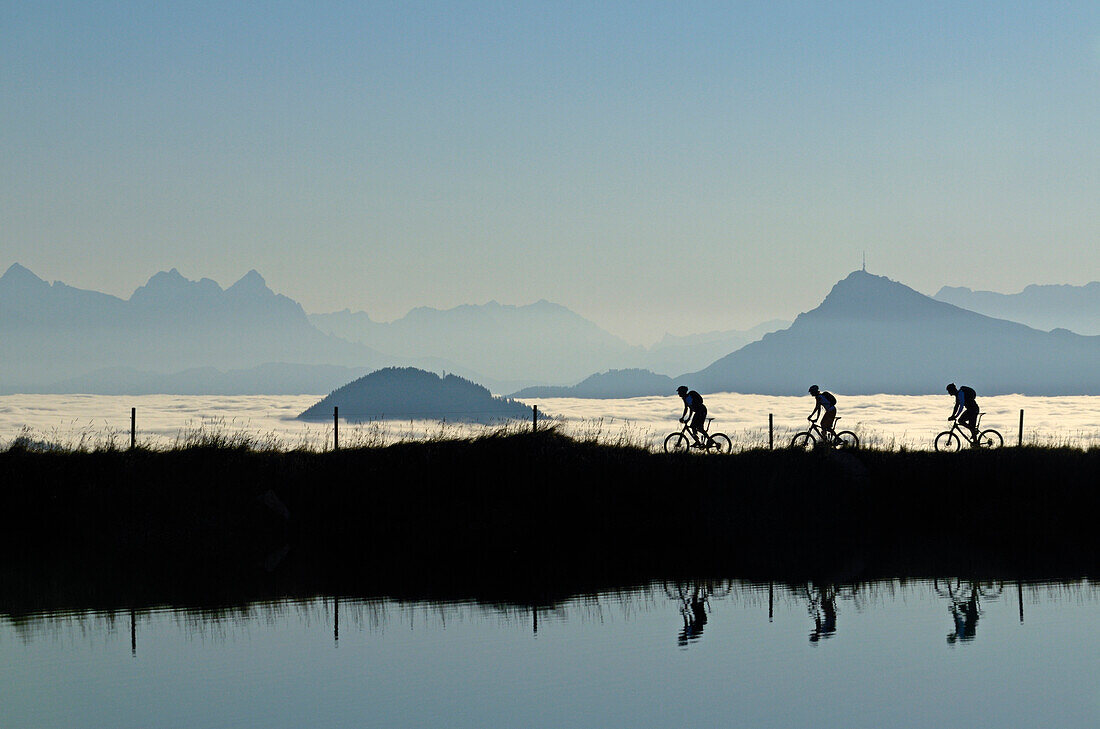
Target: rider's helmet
(952,389)
(682,390)
(813,390)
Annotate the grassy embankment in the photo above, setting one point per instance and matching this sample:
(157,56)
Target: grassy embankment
(522,517)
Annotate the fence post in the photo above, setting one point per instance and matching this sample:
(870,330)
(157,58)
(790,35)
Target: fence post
(335,428)
(771,433)
(133,427)
(1020,442)
(535,419)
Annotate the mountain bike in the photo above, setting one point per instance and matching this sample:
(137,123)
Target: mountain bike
(951,441)
(815,436)
(683,441)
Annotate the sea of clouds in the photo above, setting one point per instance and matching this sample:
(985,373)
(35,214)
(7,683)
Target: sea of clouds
(888,421)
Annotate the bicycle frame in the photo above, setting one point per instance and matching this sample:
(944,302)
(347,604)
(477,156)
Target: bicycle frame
(971,438)
(820,435)
(815,436)
(988,438)
(707,441)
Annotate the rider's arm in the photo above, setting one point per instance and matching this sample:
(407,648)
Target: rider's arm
(817,408)
(684,415)
(959,401)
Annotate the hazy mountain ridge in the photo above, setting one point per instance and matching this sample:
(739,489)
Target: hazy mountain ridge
(672,353)
(873,335)
(1042,306)
(410,393)
(54,332)
(541,342)
(608,385)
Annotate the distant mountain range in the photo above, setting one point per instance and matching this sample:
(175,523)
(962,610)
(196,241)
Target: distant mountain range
(537,343)
(611,384)
(674,354)
(402,393)
(53,333)
(873,335)
(1046,307)
(870,334)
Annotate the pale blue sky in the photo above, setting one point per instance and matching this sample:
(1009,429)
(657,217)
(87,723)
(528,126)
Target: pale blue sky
(654,166)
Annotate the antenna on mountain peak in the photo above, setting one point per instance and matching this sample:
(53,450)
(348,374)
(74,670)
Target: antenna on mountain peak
(865,261)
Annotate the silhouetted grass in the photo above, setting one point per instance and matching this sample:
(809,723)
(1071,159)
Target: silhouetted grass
(523,516)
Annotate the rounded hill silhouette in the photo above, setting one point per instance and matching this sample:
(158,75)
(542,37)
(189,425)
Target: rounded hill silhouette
(402,393)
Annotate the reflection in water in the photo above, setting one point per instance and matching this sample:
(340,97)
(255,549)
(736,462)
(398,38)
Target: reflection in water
(822,607)
(599,659)
(692,599)
(964,606)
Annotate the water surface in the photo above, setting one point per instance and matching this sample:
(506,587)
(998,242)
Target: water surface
(894,653)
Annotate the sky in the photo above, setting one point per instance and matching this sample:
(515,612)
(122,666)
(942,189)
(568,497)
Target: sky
(655,167)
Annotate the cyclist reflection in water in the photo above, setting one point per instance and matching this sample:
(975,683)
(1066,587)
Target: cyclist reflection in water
(694,612)
(965,614)
(823,610)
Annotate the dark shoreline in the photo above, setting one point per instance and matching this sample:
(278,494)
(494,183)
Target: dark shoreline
(523,518)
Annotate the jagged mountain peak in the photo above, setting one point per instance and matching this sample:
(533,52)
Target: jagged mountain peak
(172,285)
(250,283)
(20,277)
(862,294)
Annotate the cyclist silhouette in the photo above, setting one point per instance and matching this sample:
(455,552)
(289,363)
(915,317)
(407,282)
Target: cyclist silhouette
(693,405)
(966,407)
(826,404)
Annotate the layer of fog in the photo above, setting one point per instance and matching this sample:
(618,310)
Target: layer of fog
(268,421)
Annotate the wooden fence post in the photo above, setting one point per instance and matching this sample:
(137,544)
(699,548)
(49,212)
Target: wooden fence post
(535,419)
(771,433)
(336,428)
(1020,442)
(133,427)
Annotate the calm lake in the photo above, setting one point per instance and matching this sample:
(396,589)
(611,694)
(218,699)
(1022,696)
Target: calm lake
(896,653)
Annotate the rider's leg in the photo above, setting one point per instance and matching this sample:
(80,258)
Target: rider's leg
(969,418)
(827,420)
(698,425)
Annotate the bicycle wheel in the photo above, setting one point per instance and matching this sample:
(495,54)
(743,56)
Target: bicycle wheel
(990,439)
(947,441)
(719,443)
(677,443)
(803,441)
(846,440)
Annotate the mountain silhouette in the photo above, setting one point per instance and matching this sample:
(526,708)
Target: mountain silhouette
(874,335)
(54,332)
(403,393)
(1044,307)
(608,385)
(536,343)
(677,353)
